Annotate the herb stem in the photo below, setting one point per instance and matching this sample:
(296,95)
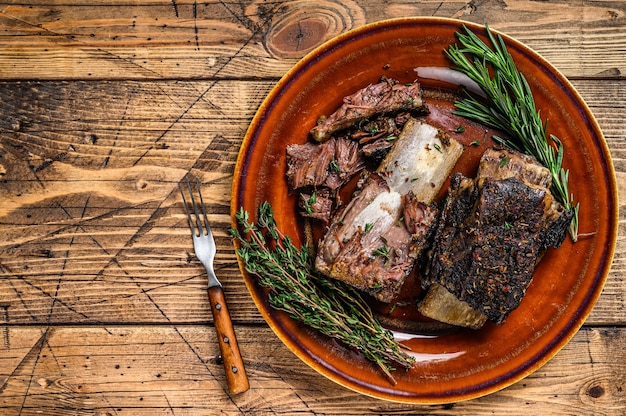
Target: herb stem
(328,305)
(510,108)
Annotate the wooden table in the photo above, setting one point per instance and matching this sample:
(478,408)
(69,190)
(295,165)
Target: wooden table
(105,106)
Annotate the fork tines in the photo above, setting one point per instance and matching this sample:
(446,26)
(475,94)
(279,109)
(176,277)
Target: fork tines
(196,226)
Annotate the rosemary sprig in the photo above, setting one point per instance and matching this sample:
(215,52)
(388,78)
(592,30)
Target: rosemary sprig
(328,305)
(510,108)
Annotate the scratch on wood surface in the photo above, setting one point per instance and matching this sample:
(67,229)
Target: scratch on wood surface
(34,353)
(589,353)
(221,68)
(73,39)
(50,351)
(37,179)
(55,298)
(116,211)
(119,129)
(167,400)
(49,161)
(468,9)
(438,7)
(111,409)
(144,228)
(246,22)
(174,122)
(195,25)
(48,295)
(188,345)
(16,292)
(78,227)
(4,316)
(164,285)
(175,8)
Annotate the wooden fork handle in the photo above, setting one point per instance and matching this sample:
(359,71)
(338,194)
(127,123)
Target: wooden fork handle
(233,364)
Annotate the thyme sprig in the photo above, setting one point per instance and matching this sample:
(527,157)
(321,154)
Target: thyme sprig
(510,108)
(328,305)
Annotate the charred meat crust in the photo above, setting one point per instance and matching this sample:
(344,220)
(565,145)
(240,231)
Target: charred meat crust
(487,258)
(492,231)
(505,163)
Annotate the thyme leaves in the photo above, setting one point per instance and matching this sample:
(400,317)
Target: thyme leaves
(330,306)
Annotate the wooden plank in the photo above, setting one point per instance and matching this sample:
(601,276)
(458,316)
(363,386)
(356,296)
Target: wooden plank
(93,229)
(176,370)
(106,39)
(92,220)
(607,102)
(103,307)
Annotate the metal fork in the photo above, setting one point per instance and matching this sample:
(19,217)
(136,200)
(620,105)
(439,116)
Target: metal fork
(204,246)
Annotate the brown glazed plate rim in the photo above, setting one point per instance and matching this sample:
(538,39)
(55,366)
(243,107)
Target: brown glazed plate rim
(461,364)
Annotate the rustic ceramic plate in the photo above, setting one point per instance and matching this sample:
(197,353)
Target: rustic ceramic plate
(459,364)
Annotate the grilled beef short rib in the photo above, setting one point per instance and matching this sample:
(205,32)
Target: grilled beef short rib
(492,231)
(373,242)
(368,246)
(361,132)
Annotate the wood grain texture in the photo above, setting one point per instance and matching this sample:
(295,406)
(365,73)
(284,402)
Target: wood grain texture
(247,39)
(234,368)
(93,225)
(106,105)
(91,199)
(97,370)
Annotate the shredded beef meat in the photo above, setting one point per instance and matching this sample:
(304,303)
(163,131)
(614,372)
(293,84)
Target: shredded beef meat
(367,244)
(348,160)
(318,205)
(377,150)
(383,97)
(329,164)
(373,243)
(307,164)
(419,220)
